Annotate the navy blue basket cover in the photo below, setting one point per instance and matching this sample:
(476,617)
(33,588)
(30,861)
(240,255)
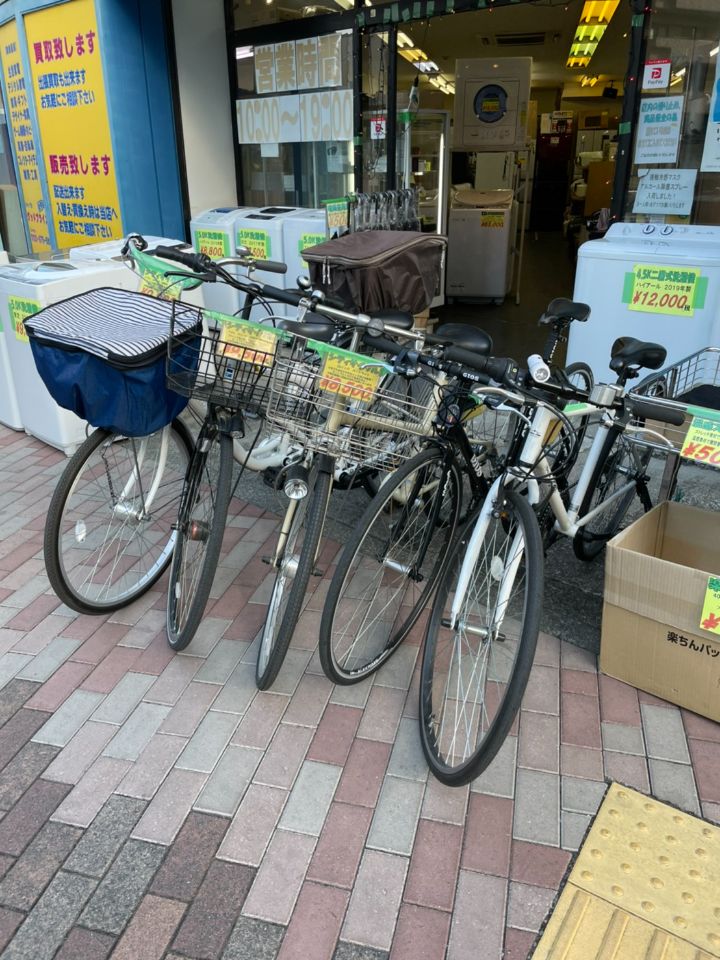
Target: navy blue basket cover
(102,354)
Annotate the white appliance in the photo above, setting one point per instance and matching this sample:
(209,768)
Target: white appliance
(9,409)
(303,228)
(481,240)
(26,288)
(491,103)
(111,250)
(262,232)
(213,232)
(496,171)
(635,280)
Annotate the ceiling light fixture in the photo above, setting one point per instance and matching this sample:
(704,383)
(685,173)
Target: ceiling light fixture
(714,51)
(594,19)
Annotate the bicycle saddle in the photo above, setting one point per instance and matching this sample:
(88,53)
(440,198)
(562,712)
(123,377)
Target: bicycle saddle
(562,309)
(322,330)
(466,336)
(629,352)
(396,318)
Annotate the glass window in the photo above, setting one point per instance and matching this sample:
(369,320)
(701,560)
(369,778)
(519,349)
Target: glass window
(675,176)
(295,120)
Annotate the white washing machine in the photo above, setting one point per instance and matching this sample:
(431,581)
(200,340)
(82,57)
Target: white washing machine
(481,244)
(25,288)
(9,409)
(213,232)
(657,282)
(263,233)
(112,250)
(304,228)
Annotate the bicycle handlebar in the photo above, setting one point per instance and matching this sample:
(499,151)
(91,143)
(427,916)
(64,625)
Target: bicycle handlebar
(197,262)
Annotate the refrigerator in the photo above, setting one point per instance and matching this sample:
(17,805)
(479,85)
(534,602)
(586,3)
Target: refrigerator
(553,166)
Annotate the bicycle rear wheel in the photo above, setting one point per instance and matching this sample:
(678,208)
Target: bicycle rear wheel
(473,676)
(389,566)
(621,464)
(304,523)
(109,534)
(200,529)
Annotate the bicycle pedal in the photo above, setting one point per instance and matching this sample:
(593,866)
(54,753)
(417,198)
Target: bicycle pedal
(317,573)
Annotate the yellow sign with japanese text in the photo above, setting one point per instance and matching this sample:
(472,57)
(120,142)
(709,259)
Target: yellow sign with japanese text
(710,617)
(348,378)
(69,88)
(251,344)
(702,441)
(668,290)
(18,114)
(19,309)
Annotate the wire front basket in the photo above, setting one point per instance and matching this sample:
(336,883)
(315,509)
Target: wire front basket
(229,364)
(348,405)
(691,385)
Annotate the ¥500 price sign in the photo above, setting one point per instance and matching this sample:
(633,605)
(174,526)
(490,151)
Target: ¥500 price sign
(702,442)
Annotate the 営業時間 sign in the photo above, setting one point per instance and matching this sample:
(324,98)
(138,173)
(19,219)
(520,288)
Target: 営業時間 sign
(64,53)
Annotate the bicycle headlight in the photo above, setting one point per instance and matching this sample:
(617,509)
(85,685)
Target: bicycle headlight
(296,484)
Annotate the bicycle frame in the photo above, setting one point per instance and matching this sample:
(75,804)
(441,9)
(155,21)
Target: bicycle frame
(532,465)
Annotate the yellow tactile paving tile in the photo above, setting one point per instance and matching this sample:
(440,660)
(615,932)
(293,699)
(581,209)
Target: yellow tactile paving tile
(645,886)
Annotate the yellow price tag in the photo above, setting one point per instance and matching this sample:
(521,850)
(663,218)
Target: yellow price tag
(20,308)
(256,241)
(710,618)
(156,285)
(349,379)
(702,442)
(248,344)
(667,290)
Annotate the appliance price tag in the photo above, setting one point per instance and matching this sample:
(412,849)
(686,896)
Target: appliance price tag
(348,378)
(710,617)
(248,344)
(20,308)
(702,442)
(674,291)
(156,285)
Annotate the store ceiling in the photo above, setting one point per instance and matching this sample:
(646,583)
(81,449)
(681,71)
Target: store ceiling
(486,33)
(538,30)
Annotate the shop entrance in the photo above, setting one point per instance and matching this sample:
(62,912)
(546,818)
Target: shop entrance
(515,204)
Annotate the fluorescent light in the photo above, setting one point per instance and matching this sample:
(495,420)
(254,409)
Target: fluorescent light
(244,53)
(594,20)
(427,66)
(714,51)
(403,40)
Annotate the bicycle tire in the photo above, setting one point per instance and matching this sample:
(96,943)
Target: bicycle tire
(447,652)
(618,458)
(358,634)
(86,531)
(201,521)
(288,592)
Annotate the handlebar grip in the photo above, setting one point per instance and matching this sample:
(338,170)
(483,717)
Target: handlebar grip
(382,344)
(270,266)
(495,367)
(651,410)
(197,262)
(291,297)
(336,302)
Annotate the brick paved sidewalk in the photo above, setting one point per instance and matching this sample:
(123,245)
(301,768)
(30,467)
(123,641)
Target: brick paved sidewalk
(156,805)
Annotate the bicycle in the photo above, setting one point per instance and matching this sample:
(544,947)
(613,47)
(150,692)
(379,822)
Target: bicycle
(482,630)
(109,533)
(382,579)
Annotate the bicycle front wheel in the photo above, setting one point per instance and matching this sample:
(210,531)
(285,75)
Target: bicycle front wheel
(303,526)
(620,475)
(200,528)
(109,534)
(389,566)
(474,674)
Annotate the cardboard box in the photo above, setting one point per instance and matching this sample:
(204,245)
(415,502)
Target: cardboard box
(656,578)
